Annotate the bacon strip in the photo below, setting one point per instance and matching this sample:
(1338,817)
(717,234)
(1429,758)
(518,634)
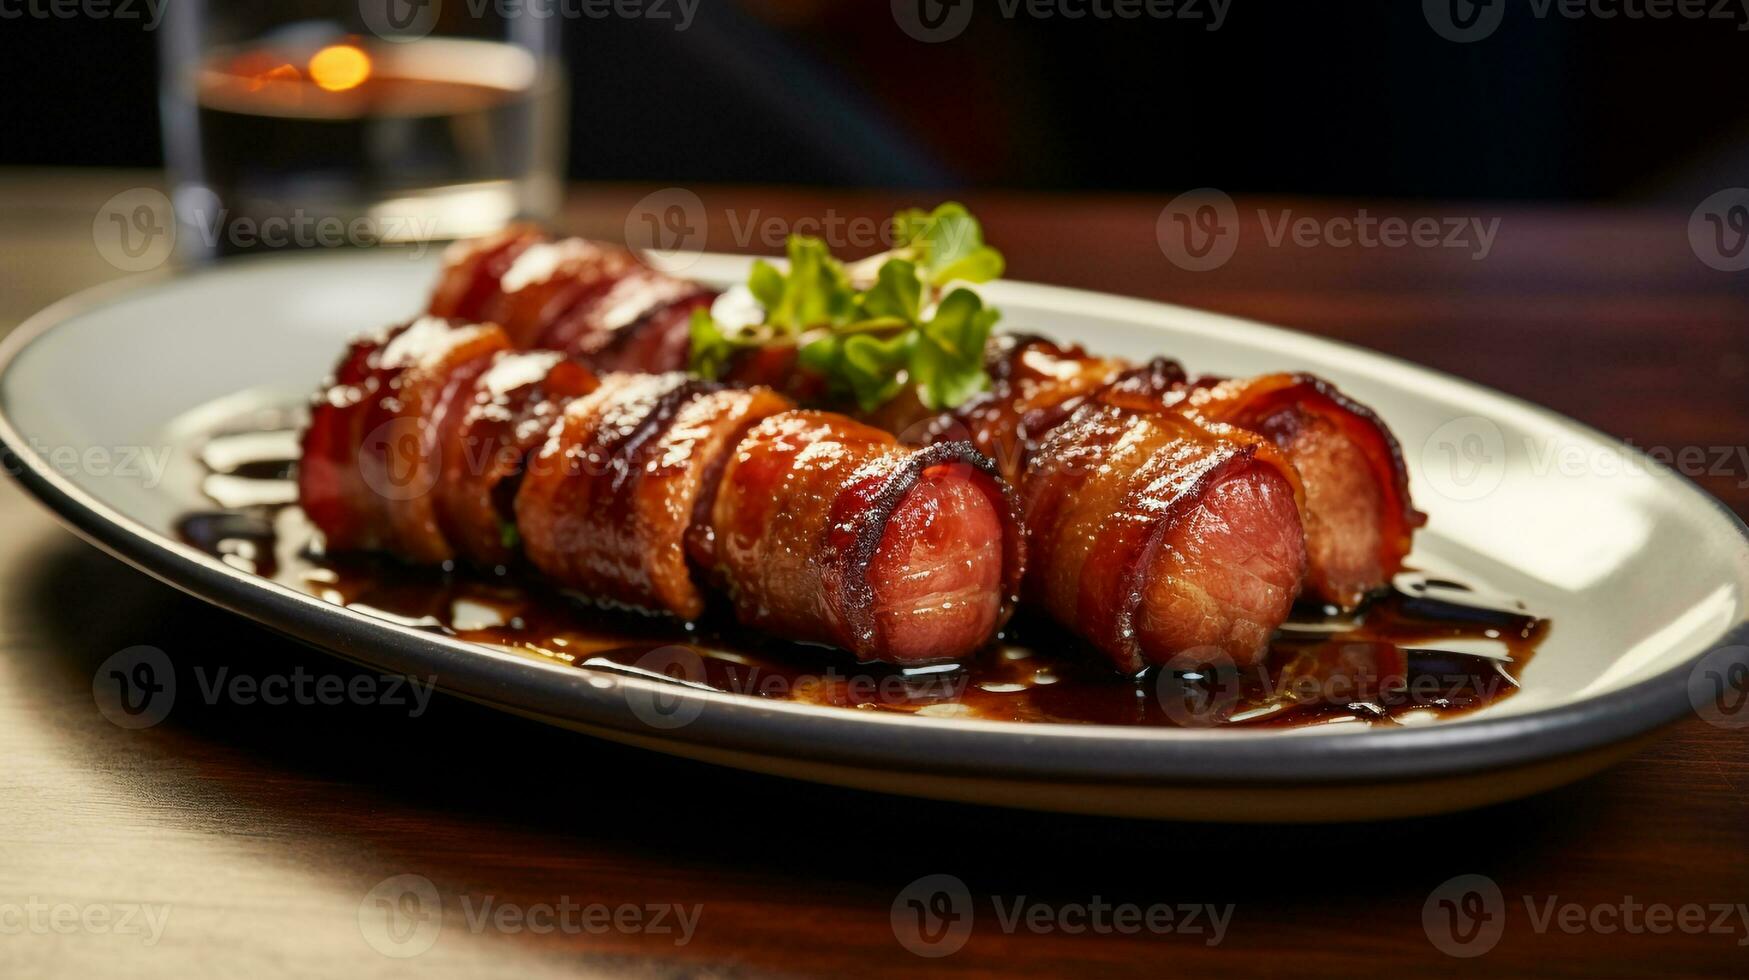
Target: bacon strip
(1359,520)
(514,402)
(1153,535)
(371,451)
(607,502)
(919,546)
(632,490)
(587,299)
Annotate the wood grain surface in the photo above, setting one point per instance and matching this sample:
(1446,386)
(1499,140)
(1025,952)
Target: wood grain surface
(260,831)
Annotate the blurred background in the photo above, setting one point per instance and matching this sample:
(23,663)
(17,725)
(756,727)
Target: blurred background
(1317,99)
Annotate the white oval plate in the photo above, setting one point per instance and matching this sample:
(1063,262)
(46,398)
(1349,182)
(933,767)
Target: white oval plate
(1641,573)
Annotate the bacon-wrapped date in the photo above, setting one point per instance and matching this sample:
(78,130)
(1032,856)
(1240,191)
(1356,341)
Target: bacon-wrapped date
(1154,535)
(633,490)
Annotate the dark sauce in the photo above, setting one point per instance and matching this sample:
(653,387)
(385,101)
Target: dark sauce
(1425,648)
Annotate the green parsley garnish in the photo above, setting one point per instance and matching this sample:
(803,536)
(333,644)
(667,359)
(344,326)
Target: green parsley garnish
(870,343)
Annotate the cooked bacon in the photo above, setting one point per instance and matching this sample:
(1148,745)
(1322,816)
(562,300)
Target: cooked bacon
(624,490)
(1153,535)
(589,300)
(514,402)
(1355,509)
(473,272)
(827,529)
(1358,516)
(371,454)
(606,504)
(641,322)
(1034,385)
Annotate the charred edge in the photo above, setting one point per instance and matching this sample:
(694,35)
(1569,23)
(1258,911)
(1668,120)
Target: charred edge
(1411,517)
(626,449)
(1124,630)
(858,604)
(1005,350)
(1158,377)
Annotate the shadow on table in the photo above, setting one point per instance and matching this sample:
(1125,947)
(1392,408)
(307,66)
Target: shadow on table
(475,798)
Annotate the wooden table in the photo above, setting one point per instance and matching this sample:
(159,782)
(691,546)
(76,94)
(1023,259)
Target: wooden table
(263,829)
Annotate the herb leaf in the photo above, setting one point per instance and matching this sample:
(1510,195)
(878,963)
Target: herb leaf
(896,295)
(874,368)
(948,244)
(816,291)
(869,344)
(711,347)
(947,361)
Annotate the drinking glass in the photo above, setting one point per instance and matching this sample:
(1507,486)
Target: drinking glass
(302,123)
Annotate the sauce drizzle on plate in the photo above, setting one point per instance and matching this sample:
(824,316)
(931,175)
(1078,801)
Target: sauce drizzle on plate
(1429,648)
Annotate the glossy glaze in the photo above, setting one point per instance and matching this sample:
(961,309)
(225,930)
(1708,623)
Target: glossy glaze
(1395,661)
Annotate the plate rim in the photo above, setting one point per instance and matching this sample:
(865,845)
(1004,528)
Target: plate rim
(1037,751)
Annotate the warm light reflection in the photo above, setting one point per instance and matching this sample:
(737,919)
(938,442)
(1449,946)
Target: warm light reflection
(339,67)
(278,73)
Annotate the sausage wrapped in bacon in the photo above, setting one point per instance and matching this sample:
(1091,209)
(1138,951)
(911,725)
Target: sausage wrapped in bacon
(828,529)
(632,490)
(1354,505)
(1153,535)
(584,298)
(608,501)
(1359,520)
(371,456)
